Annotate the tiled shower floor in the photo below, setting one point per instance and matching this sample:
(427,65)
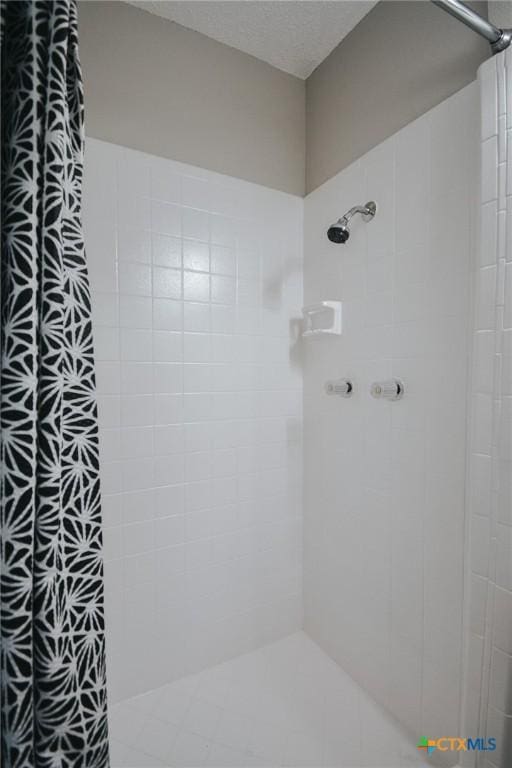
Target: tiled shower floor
(286,704)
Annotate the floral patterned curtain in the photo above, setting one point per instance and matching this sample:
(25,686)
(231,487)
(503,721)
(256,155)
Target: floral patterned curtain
(53,692)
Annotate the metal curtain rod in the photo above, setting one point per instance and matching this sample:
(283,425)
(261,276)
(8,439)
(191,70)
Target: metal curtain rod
(498,38)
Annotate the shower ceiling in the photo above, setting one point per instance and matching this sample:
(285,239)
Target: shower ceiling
(292,36)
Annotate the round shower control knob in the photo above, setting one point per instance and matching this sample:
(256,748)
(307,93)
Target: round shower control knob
(341,387)
(392,389)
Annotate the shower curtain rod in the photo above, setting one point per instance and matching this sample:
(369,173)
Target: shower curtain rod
(498,38)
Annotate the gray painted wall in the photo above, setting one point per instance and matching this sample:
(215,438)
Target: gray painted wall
(155,86)
(402,59)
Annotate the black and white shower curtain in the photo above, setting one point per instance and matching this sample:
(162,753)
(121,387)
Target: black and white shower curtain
(53,692)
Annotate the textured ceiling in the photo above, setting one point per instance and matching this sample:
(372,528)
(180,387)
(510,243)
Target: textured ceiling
(293,36)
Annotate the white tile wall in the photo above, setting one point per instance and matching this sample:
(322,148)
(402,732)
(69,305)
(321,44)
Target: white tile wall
(197,282)
(384,482)
(488,657)
(197,288)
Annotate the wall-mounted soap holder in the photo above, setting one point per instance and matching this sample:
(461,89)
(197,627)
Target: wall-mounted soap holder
(322,318)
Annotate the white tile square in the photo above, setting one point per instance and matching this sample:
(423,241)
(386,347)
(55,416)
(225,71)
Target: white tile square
(202,718)
(197,466)
(489,102)
(170,531)
(135,279)
(166,218)
(196,286)
(109,440)
(167,283)
(136,345)
(136,410)
(196,224)
(167,315)
(106,344)
(167,347)
(503,620)
(157,740)
(136,378)
(223,289)
(168,378)
(197,496)
(111,511)
(169,500)
(248,261)
(190,750)
(133,171)
(489,175)
(168,409)
(169,470)
(196,317)
(504,556)
(135,312)
(137,474)
(109,410)
(197,378)
(223,231)
(499,693)
(196,256)
(197,407)
(165,182)
(133,244)
(166,251)
(104,309)
(222,319)
(101,251)
(198,437)
(196,192)
(197,347)
(168,439)
(223,260)
(136,442)
(138,538)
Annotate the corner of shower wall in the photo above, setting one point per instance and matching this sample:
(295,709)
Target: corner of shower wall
(487,700)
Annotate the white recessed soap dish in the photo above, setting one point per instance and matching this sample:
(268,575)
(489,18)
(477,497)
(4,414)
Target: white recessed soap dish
(322,318)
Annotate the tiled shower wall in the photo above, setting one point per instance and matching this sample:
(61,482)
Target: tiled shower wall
(197,286)
(488,679)
(384,482)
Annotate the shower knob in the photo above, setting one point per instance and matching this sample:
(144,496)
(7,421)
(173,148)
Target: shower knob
(341,387)
(392,389)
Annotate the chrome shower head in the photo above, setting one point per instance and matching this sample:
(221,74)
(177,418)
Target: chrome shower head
(339,232)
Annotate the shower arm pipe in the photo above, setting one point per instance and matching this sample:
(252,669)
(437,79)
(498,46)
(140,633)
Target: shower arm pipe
(364,210)
(498,38)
